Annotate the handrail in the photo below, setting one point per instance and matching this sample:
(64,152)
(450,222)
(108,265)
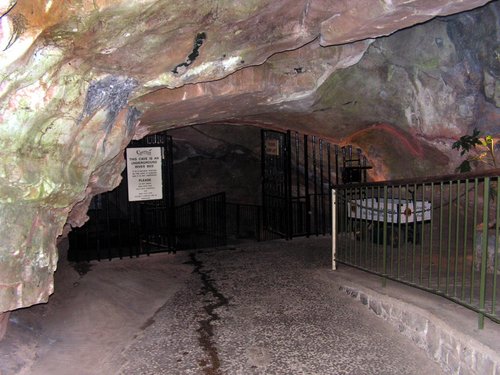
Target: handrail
(425,180)
(200,199)
(447,243)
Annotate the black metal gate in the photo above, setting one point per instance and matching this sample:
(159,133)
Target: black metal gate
(158,216)
(276,183)
(119,227)
(202,223)
(298,172)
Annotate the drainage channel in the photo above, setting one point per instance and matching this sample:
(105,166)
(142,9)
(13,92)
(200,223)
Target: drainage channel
(206,329)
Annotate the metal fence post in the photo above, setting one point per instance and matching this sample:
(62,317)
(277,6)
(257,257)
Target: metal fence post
(456,268)
(384,245)
(334,229)
(484,249)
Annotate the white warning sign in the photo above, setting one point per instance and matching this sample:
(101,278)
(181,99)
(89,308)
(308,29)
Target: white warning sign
(144,173)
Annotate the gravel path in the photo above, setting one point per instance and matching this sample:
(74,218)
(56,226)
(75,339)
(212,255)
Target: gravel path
(263,309)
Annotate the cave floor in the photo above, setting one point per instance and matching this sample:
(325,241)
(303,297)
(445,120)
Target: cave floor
(255,308)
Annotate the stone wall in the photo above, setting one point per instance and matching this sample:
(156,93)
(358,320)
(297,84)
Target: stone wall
(456,352)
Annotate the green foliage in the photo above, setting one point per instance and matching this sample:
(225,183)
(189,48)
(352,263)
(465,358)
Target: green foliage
(484,153)
(467,142)
(464,167)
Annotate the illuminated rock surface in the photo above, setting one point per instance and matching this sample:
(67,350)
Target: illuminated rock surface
(80,79)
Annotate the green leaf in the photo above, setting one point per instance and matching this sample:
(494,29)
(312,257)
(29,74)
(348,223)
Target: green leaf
(467,142)
(464,167)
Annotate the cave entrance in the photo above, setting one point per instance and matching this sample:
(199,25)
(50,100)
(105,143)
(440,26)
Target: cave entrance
(232,184)
(137,217)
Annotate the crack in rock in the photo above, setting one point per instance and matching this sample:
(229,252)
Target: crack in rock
(206,329)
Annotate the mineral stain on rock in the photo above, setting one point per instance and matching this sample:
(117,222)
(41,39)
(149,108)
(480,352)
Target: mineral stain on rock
(200,39)
(206,329)
(111,93)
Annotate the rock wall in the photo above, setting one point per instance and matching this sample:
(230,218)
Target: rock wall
(210,159)
(433,83)
(79,79)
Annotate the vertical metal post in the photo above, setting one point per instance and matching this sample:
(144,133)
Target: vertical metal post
(441,213)
(354,199)
(288,193)
(119,222)
(374,231)
(211,219)
(431,234)
(140,220)
(391,240)
(192,218)
(334,228)
(495,249)
(264,177)
(414,237)
(322,201)
(400,215)
(297,166)
(378,232)
(384,249)
(237,220)
(422,236)
(336,150)
(457,240)
(108,228)
(258,228)
(407,225)
(448,253)
(204,217)
(464,243)
(299,222)
(349,221)
(306,187)
(131,240)
(364,194)
(222,226)
(315,176)
(329,178)
(484,248)
(474,238)
(171,203)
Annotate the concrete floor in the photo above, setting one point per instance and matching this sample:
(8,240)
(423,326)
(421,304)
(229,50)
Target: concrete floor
(262,308)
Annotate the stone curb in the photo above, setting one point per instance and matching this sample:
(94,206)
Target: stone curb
(455,352)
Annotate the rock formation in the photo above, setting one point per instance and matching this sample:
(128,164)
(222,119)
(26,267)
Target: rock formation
(80,79)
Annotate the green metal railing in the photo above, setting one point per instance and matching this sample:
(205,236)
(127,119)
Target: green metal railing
(437,234)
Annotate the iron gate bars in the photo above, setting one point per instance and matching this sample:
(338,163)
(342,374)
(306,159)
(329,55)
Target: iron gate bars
(243,221)
(157,217)
(202,223)
(276,183)
(298,172)
(118,227)
(437,234)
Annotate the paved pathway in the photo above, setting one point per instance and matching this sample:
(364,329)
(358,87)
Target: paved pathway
(263,309)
